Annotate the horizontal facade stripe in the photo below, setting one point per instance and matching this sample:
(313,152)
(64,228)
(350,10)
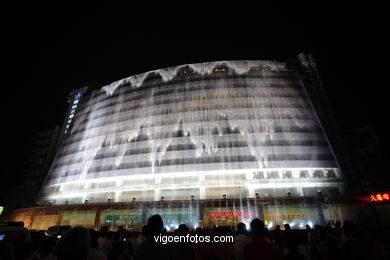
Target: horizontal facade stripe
(181,96)
(253,113)
(100,95)
(183,107)
(194,167)
(166,132)
(144,147)
(137,155)
(78,169)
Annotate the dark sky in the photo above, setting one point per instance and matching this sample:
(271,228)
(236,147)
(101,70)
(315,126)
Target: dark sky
(48,52)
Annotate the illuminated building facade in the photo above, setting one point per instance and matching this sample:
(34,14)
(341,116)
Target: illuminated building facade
(229,129)
(206,144)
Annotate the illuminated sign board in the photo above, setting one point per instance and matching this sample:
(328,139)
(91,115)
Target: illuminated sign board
(75,102)
(377,197)
(220,214)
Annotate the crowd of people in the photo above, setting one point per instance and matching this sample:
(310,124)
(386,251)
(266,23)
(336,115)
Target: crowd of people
(335,241)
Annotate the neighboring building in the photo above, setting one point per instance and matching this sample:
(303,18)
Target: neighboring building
(38,164)
(368,160)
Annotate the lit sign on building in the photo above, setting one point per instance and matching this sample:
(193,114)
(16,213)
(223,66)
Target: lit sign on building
(220,214)
(377,197)
(78,95)
(75,103)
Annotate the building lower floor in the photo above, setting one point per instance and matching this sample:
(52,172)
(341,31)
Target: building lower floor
(297,212)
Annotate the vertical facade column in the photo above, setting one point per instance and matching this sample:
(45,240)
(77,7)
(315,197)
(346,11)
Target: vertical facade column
(157,194)
(97,219)
(60,213)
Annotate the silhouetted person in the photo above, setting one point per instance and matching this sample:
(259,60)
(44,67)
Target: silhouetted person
(105,241)
(46,249)
(260,248)
(287,227)
(293,253)
(94,253)
(150,249)
(288,236)
(278,237)
(183,249)
(202,250)
(223,250)
(141,237)
(74,245)
(121,251)
(240,241)
(120,229)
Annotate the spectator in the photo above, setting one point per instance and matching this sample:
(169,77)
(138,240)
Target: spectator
(240,241)
(121,251)
(75,244)
(105,241)
(141,237)
(183,250)
(149,248)
(278,237)
(223,250)
(293,253)
(202,250)
(46,249)
(94,253)
(260,248)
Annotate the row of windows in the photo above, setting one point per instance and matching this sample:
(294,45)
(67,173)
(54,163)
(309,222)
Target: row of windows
(189,146)
(150,84)
(205,160)
(233,89)
(259,175)
(172,119)
(202,132)
(169,106)
(162,136)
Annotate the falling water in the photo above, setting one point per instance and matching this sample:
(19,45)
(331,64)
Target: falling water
(237,129)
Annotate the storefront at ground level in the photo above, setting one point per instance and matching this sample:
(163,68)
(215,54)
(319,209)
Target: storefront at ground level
(298,212)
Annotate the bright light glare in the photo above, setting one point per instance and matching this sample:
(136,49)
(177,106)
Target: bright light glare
(270,225)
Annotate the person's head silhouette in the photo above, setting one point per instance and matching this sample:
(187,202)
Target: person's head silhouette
(155,225)
(257,227)
(241,228)
(75,244)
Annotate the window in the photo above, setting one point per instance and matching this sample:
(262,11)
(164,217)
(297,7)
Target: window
(258,175)
(273,175)
(330,174)
(287,174)
(318,174)
(303,174)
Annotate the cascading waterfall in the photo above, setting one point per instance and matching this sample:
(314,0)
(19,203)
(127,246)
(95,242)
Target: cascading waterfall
(229,128)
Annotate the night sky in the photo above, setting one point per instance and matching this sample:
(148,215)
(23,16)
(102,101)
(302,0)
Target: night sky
(46,54)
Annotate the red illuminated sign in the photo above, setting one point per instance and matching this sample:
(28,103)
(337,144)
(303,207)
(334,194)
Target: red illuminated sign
(220,214)
(377,197)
